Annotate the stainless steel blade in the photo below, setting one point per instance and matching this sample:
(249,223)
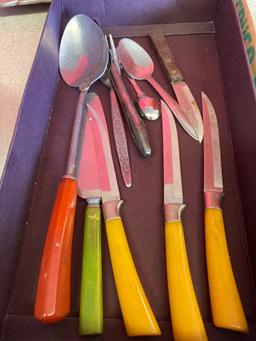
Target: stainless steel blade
(108,181)
(181,89)
(190,107)
(212,157)
(172,173)
(88,175)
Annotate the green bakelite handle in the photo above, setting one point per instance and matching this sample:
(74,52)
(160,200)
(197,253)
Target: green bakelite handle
(91,307)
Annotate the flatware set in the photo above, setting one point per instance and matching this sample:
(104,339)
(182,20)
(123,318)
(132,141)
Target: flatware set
(85,56)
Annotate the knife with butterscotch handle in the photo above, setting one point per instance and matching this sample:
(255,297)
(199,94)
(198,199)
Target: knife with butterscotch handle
(182,91)
(187,323)
(227,309)
(138,316)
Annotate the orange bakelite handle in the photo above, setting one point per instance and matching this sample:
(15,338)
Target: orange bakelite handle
(52,302)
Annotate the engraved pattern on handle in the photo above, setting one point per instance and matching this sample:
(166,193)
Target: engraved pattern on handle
(136,124)
(120,140)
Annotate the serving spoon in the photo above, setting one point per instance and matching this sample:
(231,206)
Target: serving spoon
(83,58)
(139,65)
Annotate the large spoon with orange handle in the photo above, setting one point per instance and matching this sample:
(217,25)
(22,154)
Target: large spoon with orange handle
(83,58)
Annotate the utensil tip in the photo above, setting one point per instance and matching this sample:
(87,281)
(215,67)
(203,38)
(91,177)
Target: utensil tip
(128,184)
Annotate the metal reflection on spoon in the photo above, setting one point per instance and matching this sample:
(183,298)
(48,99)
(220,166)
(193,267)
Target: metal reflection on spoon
(139,65)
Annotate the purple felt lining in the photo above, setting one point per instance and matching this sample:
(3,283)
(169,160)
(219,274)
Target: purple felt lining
(20,173)
(130,12)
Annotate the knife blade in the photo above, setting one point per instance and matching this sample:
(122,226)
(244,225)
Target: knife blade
(180,87)
(186,318)
(137,313)
(91,306)
(227,310)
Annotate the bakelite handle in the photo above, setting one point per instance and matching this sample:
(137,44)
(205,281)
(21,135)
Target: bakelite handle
(91,307)
(52,303)
(227,310)
(137,314)
(186,318)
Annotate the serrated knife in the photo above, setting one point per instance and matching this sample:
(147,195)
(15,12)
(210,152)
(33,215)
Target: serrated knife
(137,313)
(186,318)
(180,87)
(227,310)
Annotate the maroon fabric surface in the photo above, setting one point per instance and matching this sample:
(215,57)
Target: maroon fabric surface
(143,204)
(25,328)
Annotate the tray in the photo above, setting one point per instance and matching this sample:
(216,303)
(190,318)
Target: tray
(207,43)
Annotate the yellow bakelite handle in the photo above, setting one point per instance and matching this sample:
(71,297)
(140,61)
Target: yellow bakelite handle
(137,314)
(186,318)
(227,310)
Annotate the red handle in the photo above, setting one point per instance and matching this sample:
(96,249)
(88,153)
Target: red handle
(53,289)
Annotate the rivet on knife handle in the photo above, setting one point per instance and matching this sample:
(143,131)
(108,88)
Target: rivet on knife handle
(166,56)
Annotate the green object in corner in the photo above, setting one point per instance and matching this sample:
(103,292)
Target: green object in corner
(91,307)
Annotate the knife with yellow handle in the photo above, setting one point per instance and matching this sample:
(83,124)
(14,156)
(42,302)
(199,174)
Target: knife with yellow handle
(186,318)
(227,310)
(137,314)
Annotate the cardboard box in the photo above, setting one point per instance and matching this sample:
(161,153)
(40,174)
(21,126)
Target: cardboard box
(207,42)
(249,34)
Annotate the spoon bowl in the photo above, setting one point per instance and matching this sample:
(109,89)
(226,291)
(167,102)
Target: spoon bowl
(148,107)
(134,59)
(139,65)
(83,53)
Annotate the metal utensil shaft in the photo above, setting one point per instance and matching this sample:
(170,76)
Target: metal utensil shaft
(136,124)
(77,136)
